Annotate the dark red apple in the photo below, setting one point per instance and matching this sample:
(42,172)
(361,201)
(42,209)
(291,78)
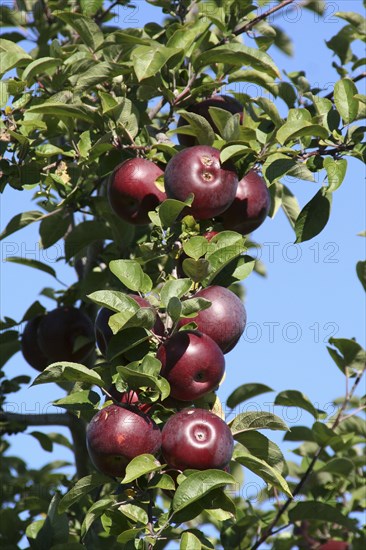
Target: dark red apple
(117,434)
(32,353)
(225,102)
(129,398)
(224,321)
(103,333)
(334,545)
(250,206)
(198,170)
(66,334)
(132,191)
(192,363)
(196,438)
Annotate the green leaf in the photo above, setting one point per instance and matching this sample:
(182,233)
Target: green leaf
(114,300)
(197,485)
(174,308)
(338,466)
(265,471)
(135,512)
(131,274)
(43,440)
(53,228)
(197,270)
(348,353)
(189,541)
(9,345)
(77,111)
(139,466)
(143,317)
(136,378)
(238,55)
(201,129)
(315,510)
(38,67)
(79,400)
(170,209)
(149,60)
(258,445)
(270,109)
(294,398)
(193,305)
(82,487)
(314,216)
(96,511)
(90,7)
(36,264)
(277,165)
(64,371)
(290,205)
(84,234)
(12,56)
(245,392)
(85,27)
(295,129)
(256,421)
(195,247)
(172,288)
(21,220)
(347,105)
(222,249)
(336,171)
(361,272)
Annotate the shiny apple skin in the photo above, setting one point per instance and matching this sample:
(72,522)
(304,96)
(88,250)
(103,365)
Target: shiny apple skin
(225,102)
(198,170)
(116,435)
(192,363)
(58,331)
(103,333)
(250,206)
(132,192)
(31,351)
(224,321)
(196,438)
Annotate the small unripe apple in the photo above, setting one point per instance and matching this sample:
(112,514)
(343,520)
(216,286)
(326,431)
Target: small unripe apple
(31,351)
(250,206)
(192,363)
(132,191)
(196,438)
(118,434)
(225,102)
(103,332)
(66,334)
(224,321)
(198,170)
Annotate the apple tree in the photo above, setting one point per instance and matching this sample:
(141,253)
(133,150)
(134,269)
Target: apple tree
(152,170)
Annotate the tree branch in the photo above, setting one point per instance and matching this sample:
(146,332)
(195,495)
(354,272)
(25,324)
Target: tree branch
(75,425)
(248,26)
(270,529)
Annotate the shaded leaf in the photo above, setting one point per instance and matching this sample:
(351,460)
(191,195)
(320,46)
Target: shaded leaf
(245,392)
(21,220)
(314,510)
(314,216)
(197,485)
(265,471)
(294,398)
(131,274)
(256,421)
(82,487)
(36,264)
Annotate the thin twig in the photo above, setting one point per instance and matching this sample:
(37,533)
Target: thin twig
(270,529)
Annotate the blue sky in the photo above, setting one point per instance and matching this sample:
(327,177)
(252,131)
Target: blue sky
(311,291)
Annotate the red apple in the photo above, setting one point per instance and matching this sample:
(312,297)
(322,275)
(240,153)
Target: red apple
(198,170)
(66,334)
(192,363)
(225,102)
(196,438)
(32,353)
(334,545)
(132,191)
(250,206)
(117,434)
(224,321)
(129,398)
(103,333)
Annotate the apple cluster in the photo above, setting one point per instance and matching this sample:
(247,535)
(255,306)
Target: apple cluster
(192,359)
